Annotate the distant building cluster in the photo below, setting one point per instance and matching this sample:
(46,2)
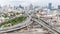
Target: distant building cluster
(50,6)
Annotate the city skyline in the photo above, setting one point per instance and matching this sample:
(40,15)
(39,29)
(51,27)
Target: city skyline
(43,3)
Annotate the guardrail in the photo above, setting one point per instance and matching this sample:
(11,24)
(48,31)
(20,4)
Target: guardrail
(18,26)
(50,26)
(47,26)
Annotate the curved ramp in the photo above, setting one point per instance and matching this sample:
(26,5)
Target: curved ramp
(46,26)
(17,26)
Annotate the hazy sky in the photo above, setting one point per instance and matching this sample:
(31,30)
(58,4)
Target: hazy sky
(55,3)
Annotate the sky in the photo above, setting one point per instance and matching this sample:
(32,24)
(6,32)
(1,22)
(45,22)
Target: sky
(55,3)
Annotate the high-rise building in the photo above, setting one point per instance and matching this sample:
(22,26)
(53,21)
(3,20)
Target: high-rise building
(50,6)
(58,6)
(21,7)
(31,7)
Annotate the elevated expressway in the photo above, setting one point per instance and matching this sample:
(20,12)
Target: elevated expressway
(27,22)
(21,25)
(46,25)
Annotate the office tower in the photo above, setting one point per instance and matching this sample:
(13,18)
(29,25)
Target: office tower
(58,6)
(0,8)
(21,7)
(50,6)
(31,7)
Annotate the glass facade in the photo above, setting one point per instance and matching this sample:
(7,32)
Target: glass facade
(49,5)
(58,6)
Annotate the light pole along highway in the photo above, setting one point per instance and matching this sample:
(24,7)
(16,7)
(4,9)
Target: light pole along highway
(21,25)
(46,25)
(27,22)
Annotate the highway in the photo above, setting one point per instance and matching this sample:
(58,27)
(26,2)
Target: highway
(44,24)
(17,26)
(27,22)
